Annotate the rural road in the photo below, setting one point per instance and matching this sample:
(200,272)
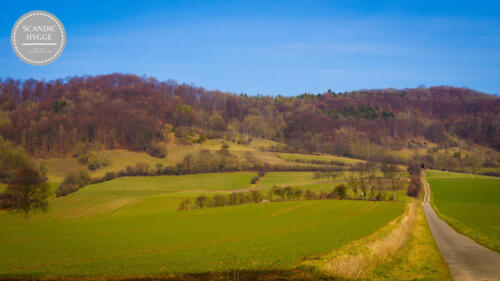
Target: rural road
(466,259)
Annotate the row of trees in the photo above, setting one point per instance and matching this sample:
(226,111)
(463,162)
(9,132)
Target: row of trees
(278,194)
(364,185)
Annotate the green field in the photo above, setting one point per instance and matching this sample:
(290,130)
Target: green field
(469,203)
(130,227)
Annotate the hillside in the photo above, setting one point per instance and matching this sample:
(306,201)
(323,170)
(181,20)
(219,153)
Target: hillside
(444,127)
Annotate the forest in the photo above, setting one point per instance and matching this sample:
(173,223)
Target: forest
(51,118)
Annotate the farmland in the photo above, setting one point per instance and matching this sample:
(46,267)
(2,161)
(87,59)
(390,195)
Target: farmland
(470,204)
(130,227)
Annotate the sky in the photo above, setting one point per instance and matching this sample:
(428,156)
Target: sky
(272,47)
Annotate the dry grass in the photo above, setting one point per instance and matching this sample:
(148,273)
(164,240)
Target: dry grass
(419,259)
(359,258)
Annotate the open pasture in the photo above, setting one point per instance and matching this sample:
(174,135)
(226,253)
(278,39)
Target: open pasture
(130,227)
(469,203)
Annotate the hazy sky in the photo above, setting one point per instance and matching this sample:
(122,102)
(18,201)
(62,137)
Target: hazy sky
(273,47)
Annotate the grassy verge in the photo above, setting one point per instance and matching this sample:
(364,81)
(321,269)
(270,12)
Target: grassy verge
(359,258)
(419,259)
(402,250)
(240,275)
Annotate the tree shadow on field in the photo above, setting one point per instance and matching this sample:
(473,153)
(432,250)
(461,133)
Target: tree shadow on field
(243,275)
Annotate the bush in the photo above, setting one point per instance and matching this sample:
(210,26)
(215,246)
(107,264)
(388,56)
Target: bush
(183,132)
(201,139)
(255,179)
(340,191)
(256,196)
(142,169)
(157,150)
(185,205)
(219,200)
(202,201)
(87,152)
(310,195)
(72,182)
(97,160)
(109,176)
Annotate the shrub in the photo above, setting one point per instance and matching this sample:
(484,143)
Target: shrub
(287,193)
(86,152)
(109,176)
(129,170)
(297,193)
(310,195)
(202,201)
(157,150)
(183,132)
(72,182)
(201,139)
(219,200)
(256,195)
(142,169)
(277,190)
(184,205)
(97,160)
(255,179)
(340,191)
(82,149)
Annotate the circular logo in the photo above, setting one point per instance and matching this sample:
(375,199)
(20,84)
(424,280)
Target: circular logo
(38,38)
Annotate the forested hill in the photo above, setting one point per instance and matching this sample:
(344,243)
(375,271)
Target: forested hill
(131,112)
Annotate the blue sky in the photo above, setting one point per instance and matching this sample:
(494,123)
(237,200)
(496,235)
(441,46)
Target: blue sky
(273,47)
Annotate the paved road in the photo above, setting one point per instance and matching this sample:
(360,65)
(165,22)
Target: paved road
(466,259)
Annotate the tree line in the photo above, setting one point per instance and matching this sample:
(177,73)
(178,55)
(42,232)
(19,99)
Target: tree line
(131,112)
(279,194)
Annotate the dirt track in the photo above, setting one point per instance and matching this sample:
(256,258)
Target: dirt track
(466,259)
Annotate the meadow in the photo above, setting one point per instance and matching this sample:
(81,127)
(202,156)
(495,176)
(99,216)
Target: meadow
(469,203)
(321,157)
(120,158)
(130,227)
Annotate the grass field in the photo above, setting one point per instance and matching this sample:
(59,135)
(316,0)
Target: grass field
(130,227)
(120,159)
(470,204)
(322,157)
